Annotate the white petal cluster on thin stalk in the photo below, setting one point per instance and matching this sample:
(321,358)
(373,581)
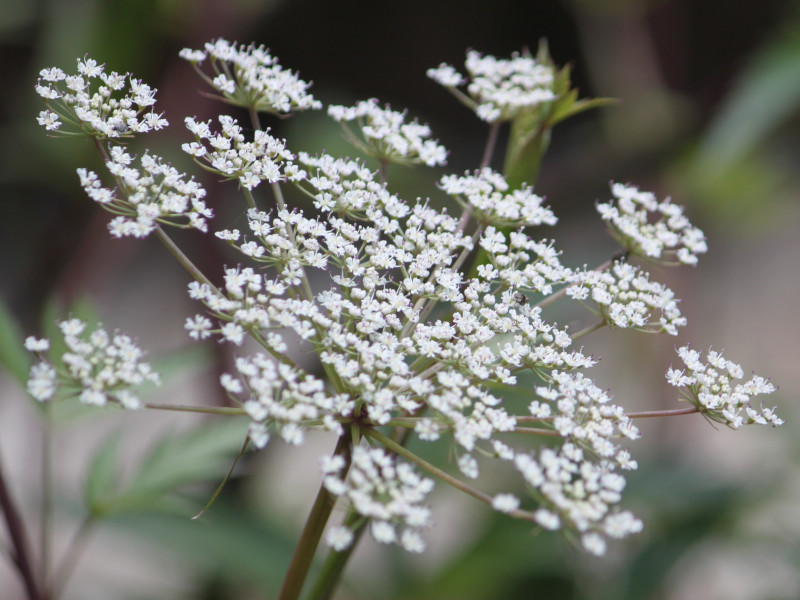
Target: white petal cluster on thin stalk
(717,389)
(249,76)
(578,484)
(387,492)
(486,195)
(626,298)
(499,89)
(232,156)
(386,135)
(144,197)
(96,103)
(652,230)
(97,367)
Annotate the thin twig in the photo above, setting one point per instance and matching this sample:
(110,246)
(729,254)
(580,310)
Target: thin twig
(649,414)
(208,410)
(75,550)
(490,144)
(20,551)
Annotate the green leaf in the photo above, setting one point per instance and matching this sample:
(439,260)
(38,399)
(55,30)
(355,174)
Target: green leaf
(102,481)
(570,110)
(13,356)
(765,95)
(198,456)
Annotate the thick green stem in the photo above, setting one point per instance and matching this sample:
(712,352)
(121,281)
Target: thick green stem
(334,565)
(312,532)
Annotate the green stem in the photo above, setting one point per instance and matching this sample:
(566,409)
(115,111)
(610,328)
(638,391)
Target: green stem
(312,532)
(437,472)
(649,414)
(248,196)
(335,563)
(184,260)
(207,410)
(587,330)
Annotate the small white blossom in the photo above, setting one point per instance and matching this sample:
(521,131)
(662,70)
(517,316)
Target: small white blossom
(95,103)
(626,298)
(499,89)
(388,494)
(505,503)
(156,193)
(232,156)
(386,136)
(339,538)
(650,229)
(97,367)
(717,391)
(259,81)
(33,344)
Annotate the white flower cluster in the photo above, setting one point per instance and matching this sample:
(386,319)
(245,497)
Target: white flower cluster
(499,89)
(626,298)
(99,104)
(387,493)
(249,76)
(408,335)
(286,397)
(97,367)
(487,196)
(714,389)
(158,193)
(650,229)
(387,136)
(233,157)
(573,488)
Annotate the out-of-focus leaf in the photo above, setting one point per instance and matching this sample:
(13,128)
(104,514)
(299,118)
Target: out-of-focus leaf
(102,481)
(13,356)
(232,545)
(177,460)
(766,94)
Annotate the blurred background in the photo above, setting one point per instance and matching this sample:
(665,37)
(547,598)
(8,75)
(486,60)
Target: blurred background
(709,115)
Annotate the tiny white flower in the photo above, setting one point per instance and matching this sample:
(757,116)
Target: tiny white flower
(505,503)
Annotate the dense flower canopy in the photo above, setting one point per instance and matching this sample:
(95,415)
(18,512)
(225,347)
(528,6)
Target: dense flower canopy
(425,323)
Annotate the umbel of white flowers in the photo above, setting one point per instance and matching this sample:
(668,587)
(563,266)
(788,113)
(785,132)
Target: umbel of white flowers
(408,336)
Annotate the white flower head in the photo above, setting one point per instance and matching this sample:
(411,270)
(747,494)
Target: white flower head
(98,367)
(232,156)
(249,76)
(624,297)
(147,196)
(385,134)
(96,103)
(499,89)
(717,389)
(652,230)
